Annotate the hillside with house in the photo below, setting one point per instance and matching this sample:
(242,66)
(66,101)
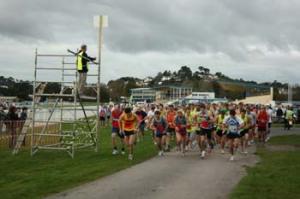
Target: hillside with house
(201,80)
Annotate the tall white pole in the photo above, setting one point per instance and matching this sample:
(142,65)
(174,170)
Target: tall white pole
(100,40)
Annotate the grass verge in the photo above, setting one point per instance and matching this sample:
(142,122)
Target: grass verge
(276,176)
(281,125)
(50,172)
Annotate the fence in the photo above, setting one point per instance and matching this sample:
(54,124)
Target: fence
(10,130)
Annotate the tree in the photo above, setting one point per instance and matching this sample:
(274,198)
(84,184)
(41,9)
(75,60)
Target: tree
(121,87)
(185,73)
(167,73)
(217,88)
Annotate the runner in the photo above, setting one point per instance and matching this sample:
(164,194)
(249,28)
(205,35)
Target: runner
(233,124)
(206,123)
(289,118)
(116,113)
(150,116)
(108,114)
(262,122)
(252,132)
(171,114)
(244,136)
(180,123)
(194,125)
(270,114)
(142,116)
(159,126)
(220,132)
(128,125)
(102,115)
(189,118)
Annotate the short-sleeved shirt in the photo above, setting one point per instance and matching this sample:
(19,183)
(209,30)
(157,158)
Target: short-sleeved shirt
(128,122)
(115,117)
(233,124)
(262,119)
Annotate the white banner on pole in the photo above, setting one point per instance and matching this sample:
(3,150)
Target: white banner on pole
(99,19)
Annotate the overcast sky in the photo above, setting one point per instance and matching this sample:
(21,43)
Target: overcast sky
(254,40)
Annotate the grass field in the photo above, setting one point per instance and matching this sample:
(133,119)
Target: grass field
(277,175)
(293,140)
(280,125)
(49,172)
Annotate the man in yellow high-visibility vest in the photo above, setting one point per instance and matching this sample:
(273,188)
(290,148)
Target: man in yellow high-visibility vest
(83,67)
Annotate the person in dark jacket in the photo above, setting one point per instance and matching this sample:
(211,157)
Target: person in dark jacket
(82,63)
(279,114)
(11,124)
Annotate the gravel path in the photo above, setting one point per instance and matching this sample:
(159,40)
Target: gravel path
(173,176)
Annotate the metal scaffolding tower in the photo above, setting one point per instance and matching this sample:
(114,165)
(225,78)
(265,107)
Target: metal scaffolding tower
(74,132)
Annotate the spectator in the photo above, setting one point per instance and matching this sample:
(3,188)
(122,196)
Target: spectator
(2,118)
(11,124)
(279,114)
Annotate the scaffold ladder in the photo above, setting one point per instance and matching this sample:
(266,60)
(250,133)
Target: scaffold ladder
(40,89)
(73,132)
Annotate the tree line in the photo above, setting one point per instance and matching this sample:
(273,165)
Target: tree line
(201,80)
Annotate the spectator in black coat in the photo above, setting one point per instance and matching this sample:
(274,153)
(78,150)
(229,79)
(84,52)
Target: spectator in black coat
(11,124)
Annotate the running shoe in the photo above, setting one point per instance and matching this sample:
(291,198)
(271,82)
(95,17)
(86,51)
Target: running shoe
(130,157)
(203,154)
(123,152)
(223,152)
(115,152)
(231,158)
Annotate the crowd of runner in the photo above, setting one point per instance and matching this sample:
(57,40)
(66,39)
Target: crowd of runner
(203,127)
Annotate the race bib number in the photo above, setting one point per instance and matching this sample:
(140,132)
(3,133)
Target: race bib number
(233,129)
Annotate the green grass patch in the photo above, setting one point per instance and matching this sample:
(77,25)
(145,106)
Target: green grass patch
(293,140)
(297,125)
(50,172)
(275,177)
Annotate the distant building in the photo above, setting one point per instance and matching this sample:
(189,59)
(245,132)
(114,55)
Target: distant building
(160,93)
(142,95)
(202,97)
(167,93)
